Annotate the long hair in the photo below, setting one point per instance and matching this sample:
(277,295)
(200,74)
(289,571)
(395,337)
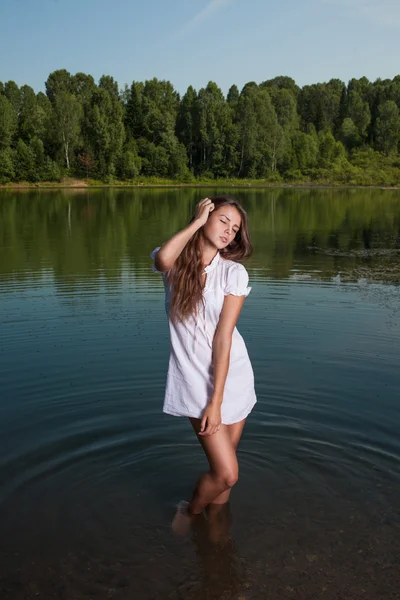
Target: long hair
(185,276)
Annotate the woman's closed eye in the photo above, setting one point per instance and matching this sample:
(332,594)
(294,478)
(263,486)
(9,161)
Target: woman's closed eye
(225,223)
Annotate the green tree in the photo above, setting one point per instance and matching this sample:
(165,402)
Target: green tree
(82,86)
(58,82)
(155,159)
(233,97)
(214,128)
(285,106)
(260,134)
(359,112)
(8,122)
(286,109)
(349,134)
(45,125)
(160,103)
(12,93)
(388,127)
(320,104)
(24,162)
(67,123)
(305,150)
(7,171)
(51,170)
(246,119)
(282,83)
(109,84)
(33,114)
(186,121)
(130,163)
(269,136)
(104,130)
(133,111)
(177,157)
(161,152)
(37,149)
(329,149)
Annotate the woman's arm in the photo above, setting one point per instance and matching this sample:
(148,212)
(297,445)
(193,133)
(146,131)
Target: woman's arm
(169,252)
(222,343)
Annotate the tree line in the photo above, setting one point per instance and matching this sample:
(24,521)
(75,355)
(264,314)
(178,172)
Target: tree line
(275,131)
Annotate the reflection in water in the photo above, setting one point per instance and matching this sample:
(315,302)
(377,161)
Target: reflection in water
(90,468)
(221,572)
(217,553)
(103,234)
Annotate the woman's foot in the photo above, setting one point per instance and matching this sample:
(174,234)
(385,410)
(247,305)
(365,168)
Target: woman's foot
(182,520)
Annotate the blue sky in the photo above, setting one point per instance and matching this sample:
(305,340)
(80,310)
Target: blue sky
(191,42)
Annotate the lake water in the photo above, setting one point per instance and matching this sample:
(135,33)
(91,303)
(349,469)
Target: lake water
(90,468)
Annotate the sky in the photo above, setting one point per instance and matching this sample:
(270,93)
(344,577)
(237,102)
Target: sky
(192,42)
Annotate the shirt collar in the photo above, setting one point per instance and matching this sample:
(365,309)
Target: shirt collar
(213,263)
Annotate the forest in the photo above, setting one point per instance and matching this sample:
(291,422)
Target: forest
(273,132)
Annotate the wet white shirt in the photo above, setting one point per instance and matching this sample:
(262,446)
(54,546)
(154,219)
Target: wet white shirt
(190,381)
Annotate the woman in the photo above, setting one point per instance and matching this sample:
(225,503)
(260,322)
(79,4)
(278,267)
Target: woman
(210,378)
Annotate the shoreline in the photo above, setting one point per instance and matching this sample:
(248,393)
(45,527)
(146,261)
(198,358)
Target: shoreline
(83,185)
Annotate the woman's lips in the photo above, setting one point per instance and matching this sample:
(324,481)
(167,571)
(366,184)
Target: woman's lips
(224,239)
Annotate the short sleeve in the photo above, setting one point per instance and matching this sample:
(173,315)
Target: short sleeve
(153,255)
(237,281)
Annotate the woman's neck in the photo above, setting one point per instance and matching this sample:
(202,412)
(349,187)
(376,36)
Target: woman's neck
(208,254)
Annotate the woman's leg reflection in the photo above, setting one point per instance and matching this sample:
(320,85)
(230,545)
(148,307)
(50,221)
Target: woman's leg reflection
(215,547)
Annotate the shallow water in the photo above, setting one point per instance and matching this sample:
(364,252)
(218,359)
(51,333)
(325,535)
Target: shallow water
(90,468)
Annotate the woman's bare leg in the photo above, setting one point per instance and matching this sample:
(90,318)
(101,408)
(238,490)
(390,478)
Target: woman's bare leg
(215,485)
(223,472)
(235,433)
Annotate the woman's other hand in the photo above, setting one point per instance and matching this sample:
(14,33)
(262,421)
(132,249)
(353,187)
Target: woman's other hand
(211,420)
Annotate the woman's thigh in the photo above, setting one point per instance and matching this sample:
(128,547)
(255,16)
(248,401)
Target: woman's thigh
(219,449)
(235,432)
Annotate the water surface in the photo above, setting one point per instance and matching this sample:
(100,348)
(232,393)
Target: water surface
(90,468)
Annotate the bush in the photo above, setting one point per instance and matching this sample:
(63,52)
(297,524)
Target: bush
(129,165)
(294,175)
(7,171)
(24,162)
(274,177)
(51,170)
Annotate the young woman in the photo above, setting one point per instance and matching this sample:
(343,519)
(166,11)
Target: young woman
(210,378)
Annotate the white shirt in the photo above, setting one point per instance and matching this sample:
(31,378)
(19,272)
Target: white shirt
(190,384)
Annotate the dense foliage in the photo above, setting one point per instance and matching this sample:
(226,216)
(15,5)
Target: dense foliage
(274,131)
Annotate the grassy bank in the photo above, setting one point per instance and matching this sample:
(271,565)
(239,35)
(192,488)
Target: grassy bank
(159,182)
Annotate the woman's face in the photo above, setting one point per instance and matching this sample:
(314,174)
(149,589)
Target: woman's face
(222,226)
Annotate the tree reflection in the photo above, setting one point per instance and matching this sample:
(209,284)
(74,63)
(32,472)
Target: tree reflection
(105,234)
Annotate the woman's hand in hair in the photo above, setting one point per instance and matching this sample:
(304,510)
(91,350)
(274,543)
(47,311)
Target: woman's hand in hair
(203,209)
(211,420)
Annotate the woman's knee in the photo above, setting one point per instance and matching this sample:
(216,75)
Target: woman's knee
(229,477)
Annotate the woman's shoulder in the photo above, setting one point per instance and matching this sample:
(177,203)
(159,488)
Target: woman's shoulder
(235,278)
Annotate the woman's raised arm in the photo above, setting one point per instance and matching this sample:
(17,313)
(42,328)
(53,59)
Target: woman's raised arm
(170,250)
